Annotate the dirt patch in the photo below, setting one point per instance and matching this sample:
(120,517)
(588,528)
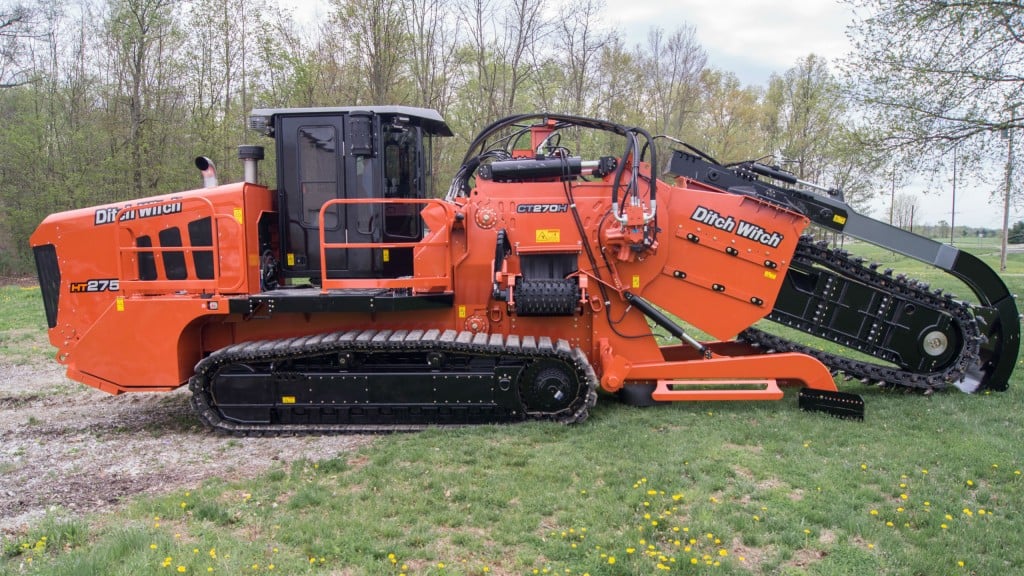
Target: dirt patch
(69,447)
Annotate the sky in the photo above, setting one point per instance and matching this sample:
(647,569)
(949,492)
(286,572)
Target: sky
(757,38)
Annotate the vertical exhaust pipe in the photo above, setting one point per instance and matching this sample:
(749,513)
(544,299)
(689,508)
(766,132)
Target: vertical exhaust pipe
(208,170)
(250,157)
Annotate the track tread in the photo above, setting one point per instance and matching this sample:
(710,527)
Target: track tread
(449,341)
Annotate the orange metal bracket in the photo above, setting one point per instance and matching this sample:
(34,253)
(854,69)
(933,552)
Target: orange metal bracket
(745,377)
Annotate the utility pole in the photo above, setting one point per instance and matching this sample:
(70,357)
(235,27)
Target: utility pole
(952,213)
(892,197)
(1009,187)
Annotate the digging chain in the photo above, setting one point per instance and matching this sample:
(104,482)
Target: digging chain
(839,261)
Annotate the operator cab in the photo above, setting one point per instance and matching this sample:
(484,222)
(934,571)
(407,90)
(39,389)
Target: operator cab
(353,152)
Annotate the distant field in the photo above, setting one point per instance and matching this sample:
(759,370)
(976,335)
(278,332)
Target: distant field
(925,485)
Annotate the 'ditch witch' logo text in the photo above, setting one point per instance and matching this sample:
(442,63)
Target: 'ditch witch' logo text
(742,228)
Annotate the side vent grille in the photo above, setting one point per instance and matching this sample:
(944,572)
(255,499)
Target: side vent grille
(48,270)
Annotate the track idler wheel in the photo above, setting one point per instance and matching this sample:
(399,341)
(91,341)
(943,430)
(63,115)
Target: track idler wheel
(549,387)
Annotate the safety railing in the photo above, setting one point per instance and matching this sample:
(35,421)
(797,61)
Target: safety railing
(428,275)
(150,220)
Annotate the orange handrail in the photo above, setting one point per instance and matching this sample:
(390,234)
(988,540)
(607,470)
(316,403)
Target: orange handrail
(418,281)
(190,284)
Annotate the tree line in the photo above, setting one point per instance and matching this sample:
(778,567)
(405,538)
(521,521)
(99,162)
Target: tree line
(106,100)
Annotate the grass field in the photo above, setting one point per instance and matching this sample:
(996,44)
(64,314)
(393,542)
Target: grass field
(925,485)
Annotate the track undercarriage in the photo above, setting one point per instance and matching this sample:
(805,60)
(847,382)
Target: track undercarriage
(382,381)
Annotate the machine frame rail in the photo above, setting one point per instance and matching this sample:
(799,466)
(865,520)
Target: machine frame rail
(513,379)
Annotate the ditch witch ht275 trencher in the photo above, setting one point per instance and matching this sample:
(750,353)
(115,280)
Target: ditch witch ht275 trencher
(354,299)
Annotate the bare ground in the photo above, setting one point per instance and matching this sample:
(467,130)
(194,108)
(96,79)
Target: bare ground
(68,447)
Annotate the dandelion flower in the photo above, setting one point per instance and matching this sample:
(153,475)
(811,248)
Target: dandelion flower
(181,568)
(723,552)
(152,546)
(969,483)
(611,559)
(873,513)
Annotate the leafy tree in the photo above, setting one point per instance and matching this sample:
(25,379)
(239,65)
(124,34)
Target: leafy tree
(16,25)
(373,33)
(804,110)
(1016,233)
(934,75)
(728,122)
(904,209)
(934,72)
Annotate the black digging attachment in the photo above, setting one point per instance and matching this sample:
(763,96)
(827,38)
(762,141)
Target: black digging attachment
(838,404)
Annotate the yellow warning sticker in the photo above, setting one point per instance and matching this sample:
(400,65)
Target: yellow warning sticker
(291,259)
(839,219)
(387,255)
(462,311)
(549,236)
(239,215)
(636,281)
(287,399)
(119,303)
(770,275)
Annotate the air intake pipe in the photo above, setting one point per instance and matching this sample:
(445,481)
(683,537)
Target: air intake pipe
(208,170)
(250,157)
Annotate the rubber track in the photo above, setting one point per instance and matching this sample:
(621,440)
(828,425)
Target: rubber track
(840,262)
(448,341)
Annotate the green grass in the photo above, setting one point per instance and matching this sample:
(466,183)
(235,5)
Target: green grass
(22,325)
(924,484)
